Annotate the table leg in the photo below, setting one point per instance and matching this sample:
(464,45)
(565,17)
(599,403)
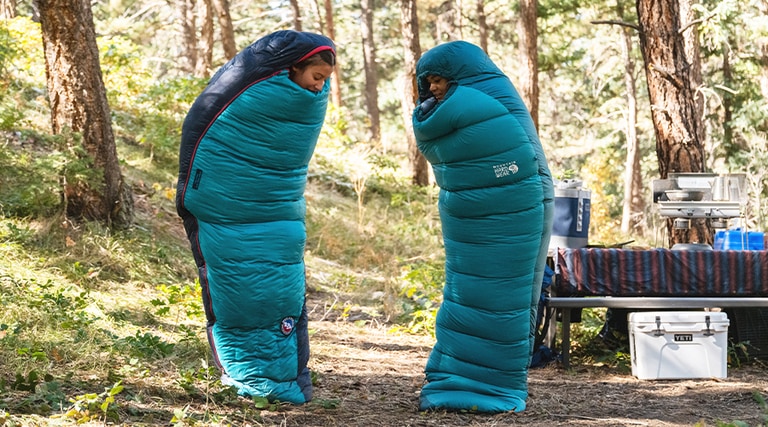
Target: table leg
(566,337)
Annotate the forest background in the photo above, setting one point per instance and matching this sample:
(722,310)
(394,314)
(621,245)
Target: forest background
(72,288)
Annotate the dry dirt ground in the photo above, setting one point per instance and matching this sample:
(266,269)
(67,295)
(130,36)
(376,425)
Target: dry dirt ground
(368,376)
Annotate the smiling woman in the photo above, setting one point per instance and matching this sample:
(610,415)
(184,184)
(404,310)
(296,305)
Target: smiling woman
(312,72)
(246,144)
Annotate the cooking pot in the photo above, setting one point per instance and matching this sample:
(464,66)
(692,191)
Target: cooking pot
(684,195)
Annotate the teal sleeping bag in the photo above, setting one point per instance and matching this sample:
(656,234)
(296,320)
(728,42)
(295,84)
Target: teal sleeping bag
(495,204)
(246,145)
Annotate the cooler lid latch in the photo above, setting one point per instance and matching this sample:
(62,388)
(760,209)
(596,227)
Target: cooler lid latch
(658,332)
(709,332)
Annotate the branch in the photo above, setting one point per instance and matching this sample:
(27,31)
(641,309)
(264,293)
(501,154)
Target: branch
(696,21)
(620,23)
(668,75)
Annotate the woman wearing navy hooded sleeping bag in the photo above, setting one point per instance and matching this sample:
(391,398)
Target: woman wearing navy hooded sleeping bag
(496,209)
(245,147)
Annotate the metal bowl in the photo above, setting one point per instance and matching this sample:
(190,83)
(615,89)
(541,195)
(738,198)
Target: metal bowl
(684,195)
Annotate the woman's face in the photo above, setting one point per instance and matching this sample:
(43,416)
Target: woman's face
(438,86)
(312,77)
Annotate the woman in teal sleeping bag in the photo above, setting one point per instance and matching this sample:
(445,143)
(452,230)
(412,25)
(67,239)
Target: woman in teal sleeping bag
(245,146)
(496,202)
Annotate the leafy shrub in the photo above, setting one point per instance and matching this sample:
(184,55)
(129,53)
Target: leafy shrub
(34,168)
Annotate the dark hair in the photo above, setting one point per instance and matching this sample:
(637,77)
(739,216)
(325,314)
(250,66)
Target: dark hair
(324,56)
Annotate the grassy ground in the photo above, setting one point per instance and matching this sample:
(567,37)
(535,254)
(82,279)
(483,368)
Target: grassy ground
(101,327)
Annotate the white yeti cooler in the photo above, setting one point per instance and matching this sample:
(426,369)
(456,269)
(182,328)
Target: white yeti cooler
(678,344)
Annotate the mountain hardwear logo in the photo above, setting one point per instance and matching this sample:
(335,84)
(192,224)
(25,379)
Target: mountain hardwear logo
(505,169)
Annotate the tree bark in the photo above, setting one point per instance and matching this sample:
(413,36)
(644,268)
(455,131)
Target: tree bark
(7,9)
(79,103)
(296,15)
(371,74)
(205,54)
(529,73)
(482,25)
(226,29)
(336,81)
(634,202)
(673,72)
(409,23)
(189,31)
(728,141)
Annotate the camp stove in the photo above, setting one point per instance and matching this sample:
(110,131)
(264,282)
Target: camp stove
(685,196)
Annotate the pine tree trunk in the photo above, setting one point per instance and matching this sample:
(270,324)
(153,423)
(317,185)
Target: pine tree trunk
(331,33)
(7,9)
(226,29)
(296,15)
(205,55)
(482,25)
(673,72)
(529,73)
(189,32)
(79,103)
(634,202)
(409,24)
(371,74)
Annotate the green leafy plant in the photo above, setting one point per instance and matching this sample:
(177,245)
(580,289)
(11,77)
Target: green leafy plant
(148,345)
(186,298)
(91,406)
(423,292)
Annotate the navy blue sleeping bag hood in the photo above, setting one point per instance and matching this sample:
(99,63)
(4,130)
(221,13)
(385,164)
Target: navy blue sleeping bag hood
(245,147)
(495,208)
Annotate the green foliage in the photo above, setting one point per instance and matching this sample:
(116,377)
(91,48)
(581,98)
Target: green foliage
(8,51)
(78,302)
(588,348)
(326,403)
(28,186)
(152,118)
(146,345)
(41,394)
(91,406)
(183,298)
(190,378)
(423,285)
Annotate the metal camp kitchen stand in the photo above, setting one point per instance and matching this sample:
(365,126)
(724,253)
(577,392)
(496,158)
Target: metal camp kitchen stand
(684,196)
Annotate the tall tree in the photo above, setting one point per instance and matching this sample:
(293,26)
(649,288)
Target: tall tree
(296,15)
(7,9)
(634,202)
(673,73)
(409,24)
(189,35)
(226,29)
(78,103)
(205,54)
(529,72)
(331,33)
(371,74)
(482,25)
